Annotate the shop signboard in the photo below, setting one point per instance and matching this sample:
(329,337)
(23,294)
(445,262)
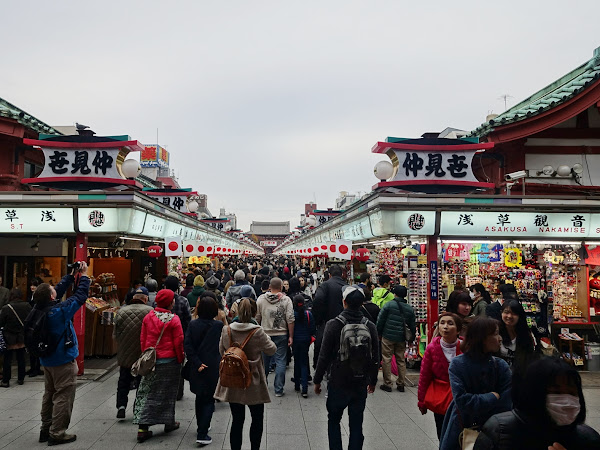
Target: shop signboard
(110,220)
(516,224)
(268,243)
(154,156)
(82,162)
(177,202)
(154,226)
(408,223)
(41,220)
(434,288)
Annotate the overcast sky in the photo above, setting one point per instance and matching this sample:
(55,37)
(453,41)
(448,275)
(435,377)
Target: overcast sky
(265,106)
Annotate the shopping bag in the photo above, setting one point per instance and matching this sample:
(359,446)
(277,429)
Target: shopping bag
(438,396)
(467,438)
(394,366)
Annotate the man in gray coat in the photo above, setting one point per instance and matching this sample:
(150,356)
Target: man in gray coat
(128,327)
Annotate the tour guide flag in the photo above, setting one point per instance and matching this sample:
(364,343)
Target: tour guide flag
(173,246)
(344,249)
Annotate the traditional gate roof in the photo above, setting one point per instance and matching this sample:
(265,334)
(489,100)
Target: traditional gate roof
(10,111)
(562,90)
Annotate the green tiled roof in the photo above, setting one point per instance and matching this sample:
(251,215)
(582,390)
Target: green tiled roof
(12,112)
(556,93)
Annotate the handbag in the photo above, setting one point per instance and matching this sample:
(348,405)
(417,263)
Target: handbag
(467,438)
(312,338)
(438,396)
(146,362)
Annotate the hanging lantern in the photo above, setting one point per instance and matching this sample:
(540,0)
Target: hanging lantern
(155,251)
(362,254)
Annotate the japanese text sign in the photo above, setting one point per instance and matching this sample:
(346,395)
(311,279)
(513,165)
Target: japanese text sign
(419,165)
(36,220)
(84,162)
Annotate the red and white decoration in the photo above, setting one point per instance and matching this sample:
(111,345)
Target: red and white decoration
(362,254)
(173,246)
(343,249)
(155,251)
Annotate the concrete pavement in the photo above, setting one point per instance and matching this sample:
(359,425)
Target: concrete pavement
(392,421)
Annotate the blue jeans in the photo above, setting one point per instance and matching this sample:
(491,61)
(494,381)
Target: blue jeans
(301,364)
(339,399)
(280,362)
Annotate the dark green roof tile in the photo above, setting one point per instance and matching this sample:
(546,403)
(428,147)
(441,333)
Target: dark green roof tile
(10,111)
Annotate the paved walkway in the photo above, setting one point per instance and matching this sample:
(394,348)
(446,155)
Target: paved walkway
(392,421)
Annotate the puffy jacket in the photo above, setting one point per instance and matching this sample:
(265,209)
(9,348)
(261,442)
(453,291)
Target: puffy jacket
(381,296)
(327,303)
(513,430)
(171,343)
(304,329)
(128,328)
(434,365)
(391,320)
(60,321)
(194,296)
(13,330)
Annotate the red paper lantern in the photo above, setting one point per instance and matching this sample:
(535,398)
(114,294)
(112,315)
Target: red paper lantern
(363,254)
(155,251)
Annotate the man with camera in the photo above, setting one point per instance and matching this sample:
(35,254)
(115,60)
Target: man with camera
(60,368)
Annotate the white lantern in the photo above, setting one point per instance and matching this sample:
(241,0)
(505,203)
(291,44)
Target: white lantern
(192,206)
(383,170)
(563,171)
(130,168)
(311,221)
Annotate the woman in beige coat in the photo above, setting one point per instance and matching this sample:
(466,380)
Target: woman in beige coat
(257,394)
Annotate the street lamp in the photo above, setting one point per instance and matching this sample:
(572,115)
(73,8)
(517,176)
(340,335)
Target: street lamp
(383,170)
(130,169)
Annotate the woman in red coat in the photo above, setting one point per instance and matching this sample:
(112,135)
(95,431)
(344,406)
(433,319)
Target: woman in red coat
(157,393)
(436,361)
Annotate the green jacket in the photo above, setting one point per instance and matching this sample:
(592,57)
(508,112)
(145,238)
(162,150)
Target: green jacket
(391,320)
(194,296)
(381,296)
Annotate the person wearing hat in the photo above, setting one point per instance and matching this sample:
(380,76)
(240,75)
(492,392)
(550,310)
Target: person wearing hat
(343,388)
(128,328)
(197,291)
(233,293)
(157,394)
(392,321)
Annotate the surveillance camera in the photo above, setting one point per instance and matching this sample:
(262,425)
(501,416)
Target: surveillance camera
(516,175)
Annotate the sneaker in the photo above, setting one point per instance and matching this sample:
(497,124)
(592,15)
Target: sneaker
(400,388)
(204,440)
(64,439)
(144,435)
(44,435)
(385,388)
(305,394)
(278,394)
(121,412)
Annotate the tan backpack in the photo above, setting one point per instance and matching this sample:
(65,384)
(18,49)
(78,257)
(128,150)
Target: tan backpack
(234,369)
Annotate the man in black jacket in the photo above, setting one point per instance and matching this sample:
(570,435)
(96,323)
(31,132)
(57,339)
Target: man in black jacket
(343,389)
(327,304)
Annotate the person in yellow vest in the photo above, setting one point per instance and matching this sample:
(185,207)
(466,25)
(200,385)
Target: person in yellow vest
(383,294)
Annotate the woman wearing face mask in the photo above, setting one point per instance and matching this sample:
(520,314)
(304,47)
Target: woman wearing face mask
(480,382)
(549,413)
(481,299)
(434,367)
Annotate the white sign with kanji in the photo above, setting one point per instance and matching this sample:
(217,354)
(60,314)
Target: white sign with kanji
(417,165)
(89,163)
(36,220)
(177,202)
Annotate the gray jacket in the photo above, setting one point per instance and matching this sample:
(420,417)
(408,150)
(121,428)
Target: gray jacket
(128,328)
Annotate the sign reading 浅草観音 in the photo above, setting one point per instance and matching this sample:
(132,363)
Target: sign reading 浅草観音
(36,220)
(514,224)
(83,162)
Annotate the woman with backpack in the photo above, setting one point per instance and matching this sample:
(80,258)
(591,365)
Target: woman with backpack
(304,330)
(256,395)
(156,396)
(12,316)
(202,349)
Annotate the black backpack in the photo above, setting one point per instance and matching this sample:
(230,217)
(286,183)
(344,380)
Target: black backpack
(355,349)
(38,340)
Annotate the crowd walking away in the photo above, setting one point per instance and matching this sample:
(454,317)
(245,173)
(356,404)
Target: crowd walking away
(231,330)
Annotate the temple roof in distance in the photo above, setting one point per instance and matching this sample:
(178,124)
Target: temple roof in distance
(10,111)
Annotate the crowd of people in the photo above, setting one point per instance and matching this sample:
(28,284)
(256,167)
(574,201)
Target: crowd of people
(226,329)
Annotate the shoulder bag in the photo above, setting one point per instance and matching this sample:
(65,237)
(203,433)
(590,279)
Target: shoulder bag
(147,361)
(409,336)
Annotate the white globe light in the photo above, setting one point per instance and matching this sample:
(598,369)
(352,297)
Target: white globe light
(311,221)
(130,168)
(563,171)
(383,170)
(578,169)
(192,206)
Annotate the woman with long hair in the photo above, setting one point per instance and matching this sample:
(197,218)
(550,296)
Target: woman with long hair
(480,382)
(481,299)
(434,368)
(304,329)
(156,396)
(257,394)
(548,411)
